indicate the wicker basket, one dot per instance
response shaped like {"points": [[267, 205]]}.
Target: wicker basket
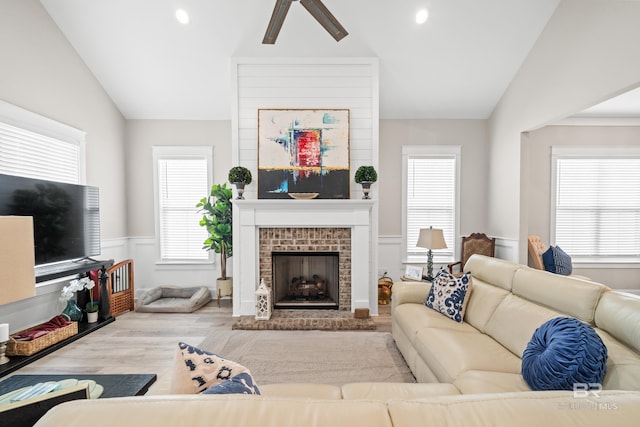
{"points": [[27, 348]]}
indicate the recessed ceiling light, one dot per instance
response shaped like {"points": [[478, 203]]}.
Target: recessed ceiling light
{"points": [[422, 16], [182, 16]]}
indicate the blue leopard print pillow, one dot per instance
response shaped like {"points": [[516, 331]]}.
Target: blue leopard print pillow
{"points": [[448, 294], [198, 370]]}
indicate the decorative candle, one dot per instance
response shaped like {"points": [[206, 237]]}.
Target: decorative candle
{"points": [[4, 332]]}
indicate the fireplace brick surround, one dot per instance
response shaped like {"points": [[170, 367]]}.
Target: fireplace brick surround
{"points": [[345, 226], [294, 239]]}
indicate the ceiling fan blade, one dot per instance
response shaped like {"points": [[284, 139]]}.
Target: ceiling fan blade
{"points": [[275, 23], [325, 18]]}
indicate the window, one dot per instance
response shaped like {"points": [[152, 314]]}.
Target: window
{"points": [[596, 214], [182, 178], [430, 198], [34, 146]]}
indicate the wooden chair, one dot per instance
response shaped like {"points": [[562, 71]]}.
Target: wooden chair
{"points": [[536, 249], [476, 243]]}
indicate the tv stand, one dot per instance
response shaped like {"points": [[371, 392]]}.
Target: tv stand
{"points": [[68, 268]]}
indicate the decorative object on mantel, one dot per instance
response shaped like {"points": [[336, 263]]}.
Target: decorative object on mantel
{"points": [[92, 306], [431, 238], [4, 338], [240, 176], [365, 176], [71, 309], [263, 301], [217, 218], [303, 151], [303, 196]]}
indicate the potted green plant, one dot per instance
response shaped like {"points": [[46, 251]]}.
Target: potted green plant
{"points": [[365, 176], [240, 176], [92, 306], [217, 218]]}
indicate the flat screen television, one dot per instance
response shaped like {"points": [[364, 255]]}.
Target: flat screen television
{"points": [[66, 217]]}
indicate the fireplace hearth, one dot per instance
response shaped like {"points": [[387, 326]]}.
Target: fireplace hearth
{"points": [[305, 280]]}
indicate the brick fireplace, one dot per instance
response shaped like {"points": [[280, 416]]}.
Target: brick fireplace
{"points": [[301, 241], [264, 226]]}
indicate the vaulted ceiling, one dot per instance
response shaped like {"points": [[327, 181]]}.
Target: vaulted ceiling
{"points": [[456, 65]]}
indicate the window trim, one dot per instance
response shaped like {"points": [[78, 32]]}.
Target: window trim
{"points": [[585, 152], [431, 151], [174, 152], [33, 122]]}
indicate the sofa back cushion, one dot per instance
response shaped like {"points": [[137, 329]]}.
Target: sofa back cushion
{"points": [[618, 313], [483, 300], [515, 320], [574, 297], [495, 271]]}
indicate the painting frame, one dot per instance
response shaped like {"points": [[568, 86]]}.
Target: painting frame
{"points": [[303, 153], [413, 272]]}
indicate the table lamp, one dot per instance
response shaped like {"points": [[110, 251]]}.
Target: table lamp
{"points": [[431, 238]]}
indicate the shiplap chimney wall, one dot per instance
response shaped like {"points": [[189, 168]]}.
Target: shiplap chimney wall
{"points": [[308, 83]]}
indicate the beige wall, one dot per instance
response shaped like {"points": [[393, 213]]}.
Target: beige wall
{"points": [[41, 72], [537, 191], [471, 135], [141, 135], [587, 53]]}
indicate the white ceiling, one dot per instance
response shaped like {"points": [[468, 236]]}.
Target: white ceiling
{"points": [[457, 65]]}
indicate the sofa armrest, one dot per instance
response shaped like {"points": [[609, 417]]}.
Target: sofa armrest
{"points": [[409, 292]]}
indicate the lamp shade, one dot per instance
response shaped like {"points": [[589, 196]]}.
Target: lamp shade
{"points": [[431, 238]]}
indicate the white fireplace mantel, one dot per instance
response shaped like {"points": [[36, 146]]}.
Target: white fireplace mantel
{"points": [[252, 214]]}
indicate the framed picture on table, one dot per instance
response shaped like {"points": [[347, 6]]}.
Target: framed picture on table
{"points": [[413, 272]]}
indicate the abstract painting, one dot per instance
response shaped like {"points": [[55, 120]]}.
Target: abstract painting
{"points": [[303, 152]]}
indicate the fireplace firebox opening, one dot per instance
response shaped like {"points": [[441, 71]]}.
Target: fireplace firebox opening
{"points": [[305, 279]]}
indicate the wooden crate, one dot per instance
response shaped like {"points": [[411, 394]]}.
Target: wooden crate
{"points": [[27, 348]]}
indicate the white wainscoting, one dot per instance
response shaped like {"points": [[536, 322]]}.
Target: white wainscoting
{"points": [[149, 273], [507, 249]]}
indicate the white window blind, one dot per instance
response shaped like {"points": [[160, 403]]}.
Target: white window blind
{"points": [[34, 146], [431, 199], [597, 206], [182, 180]]}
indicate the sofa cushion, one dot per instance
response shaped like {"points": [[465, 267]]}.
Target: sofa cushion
{"points": [[515, 320], [522, 409], [562, 352], [387, 391], [448, 294], [577, 298], [449, 352], [196, 370], [474, 382], [619, 314], [623, 364], [301, 390], [483, 301], [411, 318], [496, 271]]}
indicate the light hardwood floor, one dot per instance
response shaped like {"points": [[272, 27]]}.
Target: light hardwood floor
{"points": [[138, 343]]}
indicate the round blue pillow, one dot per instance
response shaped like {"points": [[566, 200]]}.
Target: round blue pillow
{"points": [[562, 352]]}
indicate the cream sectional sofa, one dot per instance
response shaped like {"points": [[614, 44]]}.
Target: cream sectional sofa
{"points": [[507, 303], [468, 373]]}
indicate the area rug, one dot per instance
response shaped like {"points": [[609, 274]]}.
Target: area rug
{"points": [[296, 320], [313, 356]]}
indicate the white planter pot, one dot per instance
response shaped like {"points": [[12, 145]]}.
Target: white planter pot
{"points": [[92, 317]]}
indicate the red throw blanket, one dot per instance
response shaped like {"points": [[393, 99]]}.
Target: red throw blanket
{"points": [[56, 322]]}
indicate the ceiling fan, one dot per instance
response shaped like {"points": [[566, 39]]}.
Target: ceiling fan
{"points": [[315, 8]]}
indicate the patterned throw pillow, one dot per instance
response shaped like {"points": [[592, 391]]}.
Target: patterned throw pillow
{"points": [[448, 294], [197, 370], [557, 261]]}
